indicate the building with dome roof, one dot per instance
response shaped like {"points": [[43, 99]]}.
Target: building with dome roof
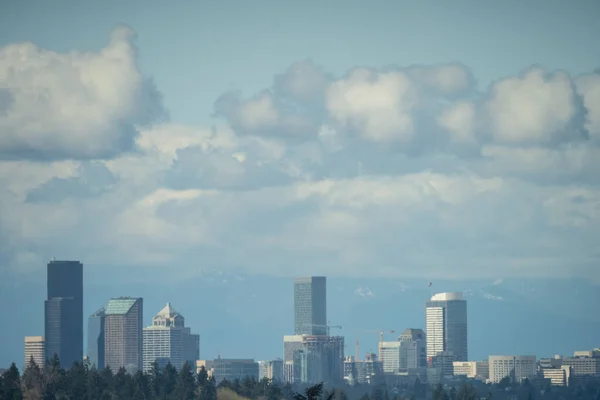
{"points": [[168, 340]]}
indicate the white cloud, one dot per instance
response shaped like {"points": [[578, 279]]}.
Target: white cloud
{"points": [[75, 105], [377, 105], [536, 108], [354, 176]]}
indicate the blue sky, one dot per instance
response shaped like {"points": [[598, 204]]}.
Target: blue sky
{"points": [[160, 142]]}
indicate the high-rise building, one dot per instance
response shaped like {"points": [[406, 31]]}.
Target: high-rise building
{"points": [[167, 340], [390, 356], [63, 327], [123, 333], [35, 348], [310, 306], [95, 342], [413, 349], [446, 320]]}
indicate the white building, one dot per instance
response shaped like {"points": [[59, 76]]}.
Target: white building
{"points": [[446, 325], [558, 376], [472, 369], [167, 340], [35, 347], [390, 356], [517, 368]]}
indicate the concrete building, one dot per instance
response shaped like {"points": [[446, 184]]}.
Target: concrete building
{"points": [[446, 325], [229, 369], [95, 339], [271, 370], [472, 369], [313, 358], [35, 348], [63, 312], [390, 356], [363, 372], [123, 334], [413, 349], [310, 306], [584, 363], [517, 368], [167, 340], [558, 376]]}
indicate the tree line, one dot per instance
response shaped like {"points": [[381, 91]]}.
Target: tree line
{"points": [[80, 382]]}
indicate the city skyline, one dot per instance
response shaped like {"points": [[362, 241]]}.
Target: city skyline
{"points": [[225, 148]]}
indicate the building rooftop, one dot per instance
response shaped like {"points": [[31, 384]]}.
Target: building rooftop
{"points": [[120, 306], [99, 313], [168, 312], [447, 296]]}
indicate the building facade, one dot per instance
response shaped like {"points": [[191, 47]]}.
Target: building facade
{"points": [[313, 359], [446, 320], [310, 306], [95, 339], [35, 348], [230, 369], [584, 363], [413, 349], [472, 369], [63, 312], [271, 370], [123, 334], [390, 356], [167, 340], [516, 368]]}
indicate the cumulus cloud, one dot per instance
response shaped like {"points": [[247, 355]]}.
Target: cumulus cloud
{"points": [[539, 107], [76, 105], [393, 172]]}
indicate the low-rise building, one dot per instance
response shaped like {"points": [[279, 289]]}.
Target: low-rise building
{"points": [[517, 368], [584, 363], [558, 376], [472, 369], [229, 369]]}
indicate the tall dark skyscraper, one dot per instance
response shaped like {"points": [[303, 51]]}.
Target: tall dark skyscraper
{"points": [[310, 306], [64, 312], [95, 342]]}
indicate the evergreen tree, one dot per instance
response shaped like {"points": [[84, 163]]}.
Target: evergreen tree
{"points": [[32, 381], [141, 386], [155, 380], [184, 388], [11, 384], [466, 392], [341, 395], [169, 380], [76, 382], [123, 384], [94, 385], [209, 390], [313, 393]]}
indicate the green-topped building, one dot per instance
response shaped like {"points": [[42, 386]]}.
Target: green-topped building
{"points": [[123, 333]]}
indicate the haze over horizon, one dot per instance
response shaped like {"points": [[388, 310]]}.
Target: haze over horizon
{"points": [[162, 144]]}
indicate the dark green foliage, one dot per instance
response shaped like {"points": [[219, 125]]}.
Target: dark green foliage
{"points": [[54, 383], [11, 384]]}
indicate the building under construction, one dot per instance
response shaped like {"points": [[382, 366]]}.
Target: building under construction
{"points": [[313, 358]]}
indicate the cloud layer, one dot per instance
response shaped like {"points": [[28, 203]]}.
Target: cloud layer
{"points": [[396, 171]]}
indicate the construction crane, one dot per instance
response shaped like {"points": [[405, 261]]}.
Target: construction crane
{"points": [[381, 332]]}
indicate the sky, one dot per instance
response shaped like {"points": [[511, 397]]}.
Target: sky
{"points": [[157, 141]]}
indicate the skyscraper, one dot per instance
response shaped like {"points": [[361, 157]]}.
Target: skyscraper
{"points": [[63, 327], [446, 324], [310, 306], [95, 342], [167, 340], [123, 334]]}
